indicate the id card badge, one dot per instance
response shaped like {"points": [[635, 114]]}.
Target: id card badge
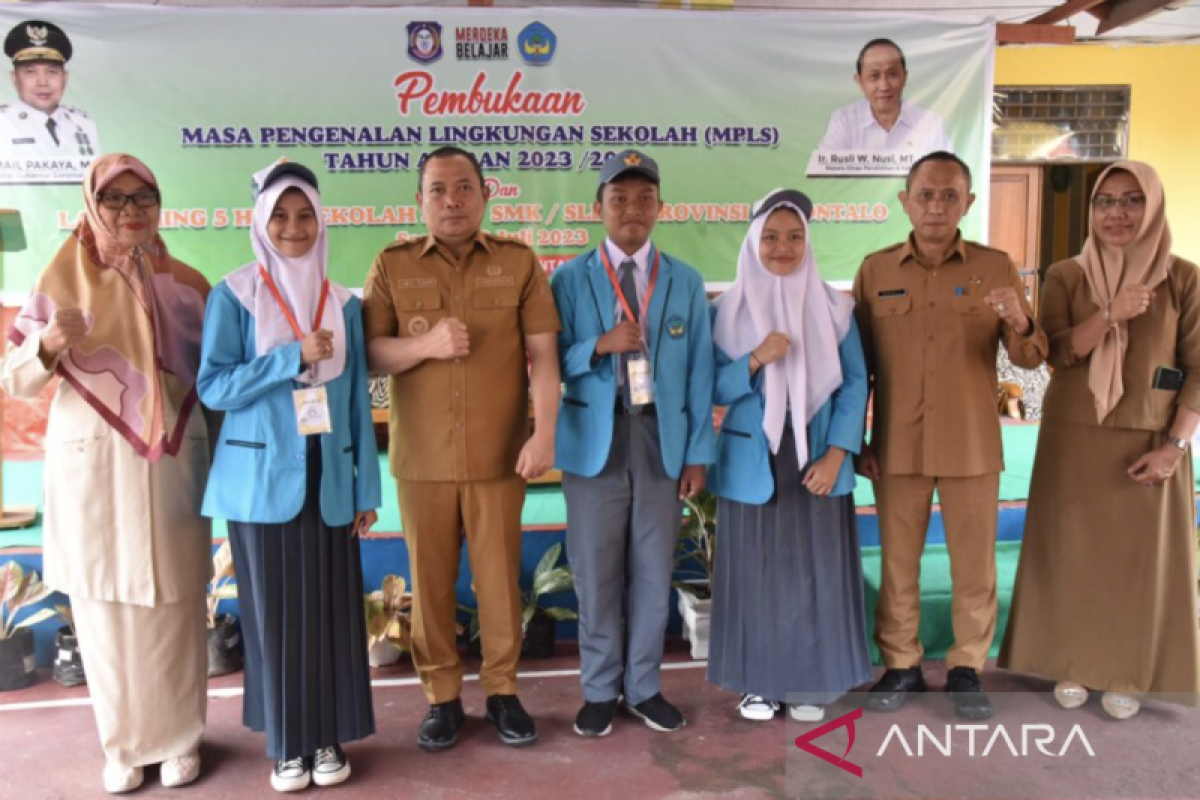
{"points": [[312, 411], [641, 385]]}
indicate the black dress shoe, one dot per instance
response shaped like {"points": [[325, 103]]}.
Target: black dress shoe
{"points": [[893, 689], [970, 701], [512, 723], [439, 730]]}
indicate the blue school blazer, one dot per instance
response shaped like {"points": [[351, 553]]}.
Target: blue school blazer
{"points": [[743, 471], [259, 471], [681, 363]]}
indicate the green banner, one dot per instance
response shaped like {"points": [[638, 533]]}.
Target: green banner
{"points": [[731, 105]]}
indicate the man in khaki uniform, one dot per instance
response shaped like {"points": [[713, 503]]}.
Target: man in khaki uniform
{"points": [[932, 312], [450, 317]]}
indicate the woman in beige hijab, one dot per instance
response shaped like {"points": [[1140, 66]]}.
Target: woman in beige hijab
{"points": [[118, 319], [1105, 596]]}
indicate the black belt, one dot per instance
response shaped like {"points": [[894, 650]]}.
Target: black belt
{"points": [[622, 411]]}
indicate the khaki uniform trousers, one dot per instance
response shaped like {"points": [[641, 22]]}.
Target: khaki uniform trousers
{"points": [[435, 516], [969, 513]]}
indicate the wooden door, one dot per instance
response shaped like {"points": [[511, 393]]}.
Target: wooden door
{"points": [[1015, 224]]}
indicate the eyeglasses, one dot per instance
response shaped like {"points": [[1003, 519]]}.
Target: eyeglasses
{"points": [[1129, 202], [115, 201]]}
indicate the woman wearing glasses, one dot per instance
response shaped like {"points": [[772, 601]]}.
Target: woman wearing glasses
{"points": [[1105, 597], [118, 319]]}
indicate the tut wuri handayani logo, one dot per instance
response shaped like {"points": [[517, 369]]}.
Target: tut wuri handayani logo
{"points": [[537, 44]]}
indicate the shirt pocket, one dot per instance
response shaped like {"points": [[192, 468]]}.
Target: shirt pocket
{"points": [[885, 308], [418, 310], [495, 312]]}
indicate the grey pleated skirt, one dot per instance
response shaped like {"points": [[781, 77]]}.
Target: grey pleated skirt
{"points": [[300, 589], [787, 613]]}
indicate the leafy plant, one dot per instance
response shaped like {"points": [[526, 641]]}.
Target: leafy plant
{"points": [[388, 612], [548, 579], [19, 588], [696, 547], [64, 613], [222, 586]]}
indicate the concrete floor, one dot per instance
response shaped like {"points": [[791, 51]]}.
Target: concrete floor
{"points": [[51, 750]]}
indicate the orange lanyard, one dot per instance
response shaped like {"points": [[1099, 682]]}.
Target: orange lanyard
{"points": [[612, 277], [287, 313]]}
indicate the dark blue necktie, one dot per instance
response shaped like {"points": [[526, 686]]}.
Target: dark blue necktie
{"points": [[629, 289]]}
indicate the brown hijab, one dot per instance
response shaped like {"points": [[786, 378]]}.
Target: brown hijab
{"points": [[1146, 261], [137, 364]]}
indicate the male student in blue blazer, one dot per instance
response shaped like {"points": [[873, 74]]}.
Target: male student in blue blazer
{"points": [[635, 432]]}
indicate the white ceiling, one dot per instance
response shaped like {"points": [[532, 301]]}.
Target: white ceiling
{"points": [[1180, 22]]}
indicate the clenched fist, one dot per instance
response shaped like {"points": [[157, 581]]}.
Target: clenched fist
{"points": [[66, 328], [317, 346], [447, 339], [626, 337]]}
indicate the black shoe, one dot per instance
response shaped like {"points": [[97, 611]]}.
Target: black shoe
{"points": [[512, 723], [439, 730], [595, 719], [893, 689], [657, 713], [970, 702]]}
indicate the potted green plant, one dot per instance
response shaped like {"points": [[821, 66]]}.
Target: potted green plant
{"points": [[389, 627], [224, 635], [695, 553], [68, 663], [539, 623], [18, 589]]}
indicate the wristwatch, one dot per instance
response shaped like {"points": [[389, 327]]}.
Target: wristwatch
{"points": [[1178, 442]]}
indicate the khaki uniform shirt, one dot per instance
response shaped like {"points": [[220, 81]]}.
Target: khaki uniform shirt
{"points": [[931, 342], [465, 418], [1166, 335]]}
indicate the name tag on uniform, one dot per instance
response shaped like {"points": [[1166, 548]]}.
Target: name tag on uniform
{"points": [[312, 411], [29, 140], [641, 385], [893, 293]]}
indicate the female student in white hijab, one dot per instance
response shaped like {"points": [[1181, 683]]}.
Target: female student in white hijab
{"points": [[296, 474], [787, 621]]}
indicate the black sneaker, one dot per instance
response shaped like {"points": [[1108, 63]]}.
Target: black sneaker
{"points": [[512, 723], [439, 730], [291, 774], [970, 702], [595, 719], [657, 713], [330, 766]]}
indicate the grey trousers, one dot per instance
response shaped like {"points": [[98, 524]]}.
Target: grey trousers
{"points": [[621, 530]]}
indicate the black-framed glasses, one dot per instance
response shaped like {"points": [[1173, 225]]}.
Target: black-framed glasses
{"points": [[1129, 202], [115, 201]]}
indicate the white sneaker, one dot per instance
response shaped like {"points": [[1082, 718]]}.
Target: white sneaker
{"points": [[1069, 694], [179, 771], [757, 708], [291, 775], [330, 766], [1120, 706], [806, 713], [118, 779]]}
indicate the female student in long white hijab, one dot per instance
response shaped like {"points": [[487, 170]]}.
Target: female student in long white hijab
{"points": [[788, 622], [296, 475]]}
